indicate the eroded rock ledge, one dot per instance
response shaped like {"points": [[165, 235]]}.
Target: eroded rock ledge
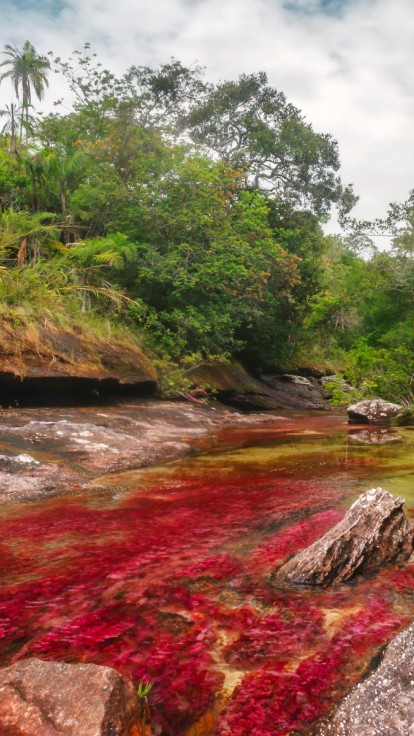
{"points": [[374, 532], [40, 698], [51, 361], [382, 705]]}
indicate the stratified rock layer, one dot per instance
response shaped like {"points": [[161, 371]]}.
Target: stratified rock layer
{"points": [[40, 698], [373, 411], [50, 360], [373, 532], [382, 705]]}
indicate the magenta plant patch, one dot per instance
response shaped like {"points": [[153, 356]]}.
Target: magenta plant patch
{"points": [[173, 586]]}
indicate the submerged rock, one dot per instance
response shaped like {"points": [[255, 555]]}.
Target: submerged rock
{"points": [[373, 411], [374, 532], [40, 698], [382, 705]]}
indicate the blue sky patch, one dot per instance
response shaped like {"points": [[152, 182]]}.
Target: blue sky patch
{"points": [[47, 7], [327, 7]]}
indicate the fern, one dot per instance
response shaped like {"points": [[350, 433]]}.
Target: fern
{"points": [[37, 232], [115, 251]]}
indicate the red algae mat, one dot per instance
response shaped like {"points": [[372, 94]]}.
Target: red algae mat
{"points": [[172, 585]]}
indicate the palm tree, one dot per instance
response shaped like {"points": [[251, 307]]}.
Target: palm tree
{"points": [[27, 70], [10, 126]]}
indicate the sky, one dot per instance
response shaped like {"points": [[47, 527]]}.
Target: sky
{"points": [[347, 64]]}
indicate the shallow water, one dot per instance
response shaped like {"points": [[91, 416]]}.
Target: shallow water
{"points": [[171, 582]]}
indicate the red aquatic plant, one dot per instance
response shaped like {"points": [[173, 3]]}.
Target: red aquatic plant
{"points": [[173, 586], [294, 538], [271, 639]]}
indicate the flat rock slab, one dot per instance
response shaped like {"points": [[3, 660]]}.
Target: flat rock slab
{"points": [[40, 698], [374, 532], [49, 451], [382, 705], [373, 411]]}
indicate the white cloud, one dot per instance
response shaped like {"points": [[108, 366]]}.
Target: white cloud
{"points": [[350, 72]]}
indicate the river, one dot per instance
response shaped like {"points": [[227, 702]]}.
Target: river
{"points": [[170, 581]]}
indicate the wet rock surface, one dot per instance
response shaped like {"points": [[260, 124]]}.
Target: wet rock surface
{"points": [[39, 698], [23, 477], [278, 392], [48, 451], [383, 704], [374, 532], [373, 411], [297, 391]]}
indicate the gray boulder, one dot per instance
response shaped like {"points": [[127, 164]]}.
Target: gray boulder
{"points": [[374, 532], [373, 411], [383, 704]]}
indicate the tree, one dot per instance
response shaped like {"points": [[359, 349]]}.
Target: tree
{"points": [[250, 124], [10, 125], [164, 95], [208, 266], [27, 70]]}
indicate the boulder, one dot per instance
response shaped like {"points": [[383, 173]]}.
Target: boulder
{"points": [[374, 532], [298, 380], [337, 382], [383, 704], [373, 411], [40, 698], [236, 387]]}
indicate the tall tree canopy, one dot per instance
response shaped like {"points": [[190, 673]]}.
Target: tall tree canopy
{"points": [[250, 124]]}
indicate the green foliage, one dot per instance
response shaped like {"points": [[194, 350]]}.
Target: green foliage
{"points": [[364, 313], [114, 251], [341, 393], [194, 208], [405, 419], [25, 235], [144, 689], [381, 372], [251, 124]]}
